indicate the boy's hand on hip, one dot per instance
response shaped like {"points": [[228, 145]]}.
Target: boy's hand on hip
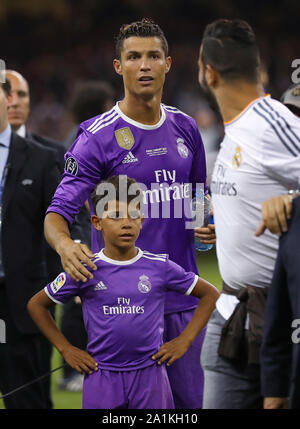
{"points": [[172, 350], [80, 360], [73, 256]]}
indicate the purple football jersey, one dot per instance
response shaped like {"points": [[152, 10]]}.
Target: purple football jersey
{"points": [[123, 306], [165, 157]]}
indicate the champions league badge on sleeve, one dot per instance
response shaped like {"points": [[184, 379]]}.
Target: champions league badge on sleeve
{"points": [[182, 148], [144, 284], [71, 166], [58, 282]]}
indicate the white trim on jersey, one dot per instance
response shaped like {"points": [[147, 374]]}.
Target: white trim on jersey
{"points": [[154, 258], [115, 262], [155, 254], [171, 109], [191, 288], [138, 124], [51, 297], [102, 117], [105, 124]]}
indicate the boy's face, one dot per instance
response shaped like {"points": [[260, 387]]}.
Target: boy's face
{"points": [[120, 224]]}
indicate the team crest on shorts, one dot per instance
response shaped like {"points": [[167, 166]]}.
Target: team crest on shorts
{"points": [[144, 284], [237, 157], [71, 166], [58, 282], [182, 148], [125, 138]]}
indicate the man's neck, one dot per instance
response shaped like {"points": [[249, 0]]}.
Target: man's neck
{"points": [[146, 112], [120, 254], [233, 99]]}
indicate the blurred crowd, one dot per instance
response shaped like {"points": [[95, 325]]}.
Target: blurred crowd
{"points": [[58, 44]]}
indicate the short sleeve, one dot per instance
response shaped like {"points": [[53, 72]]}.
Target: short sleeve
{"points": [[62, 289], [179, 280], [281, 147], [84, 169]]}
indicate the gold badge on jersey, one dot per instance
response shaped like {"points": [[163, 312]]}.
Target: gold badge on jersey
{"points": [[125, 138], [296, 92], [237, 157]]}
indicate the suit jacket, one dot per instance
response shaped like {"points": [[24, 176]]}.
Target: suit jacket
{"points": [[280, 352], [31, 181], [52, 144], [81, 227]]}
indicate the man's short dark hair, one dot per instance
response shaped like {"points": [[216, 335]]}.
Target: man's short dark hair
{"points": [[6, 86], [230, 47], [117, 182], [144, 28], [90, 98]]}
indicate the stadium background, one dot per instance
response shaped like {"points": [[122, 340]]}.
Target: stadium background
{"points": [[57, 43]]}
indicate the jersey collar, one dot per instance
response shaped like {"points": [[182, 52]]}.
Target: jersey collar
{"points": [[115, 262], [139, 124]]}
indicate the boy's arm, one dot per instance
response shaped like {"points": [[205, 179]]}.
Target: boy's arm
{"points": [[38, 307], [177, 347]]}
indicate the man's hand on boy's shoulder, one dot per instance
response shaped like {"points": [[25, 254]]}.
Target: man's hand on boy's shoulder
{"points": [[80, 360], [73, 255], [172, 350]]}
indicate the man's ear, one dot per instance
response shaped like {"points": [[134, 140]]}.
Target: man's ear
{"points": [[117, 66], [212, 76], [168, 64]]}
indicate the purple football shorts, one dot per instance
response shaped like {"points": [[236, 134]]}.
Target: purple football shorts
{"points": [[146, 388], [186, 374]]}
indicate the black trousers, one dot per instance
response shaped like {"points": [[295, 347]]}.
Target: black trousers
{"points": [[23, 358]]}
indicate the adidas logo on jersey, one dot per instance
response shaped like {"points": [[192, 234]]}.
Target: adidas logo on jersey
{"points": [[129, 158], [100, 286]]}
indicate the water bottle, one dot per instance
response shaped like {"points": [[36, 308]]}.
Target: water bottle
{"points": [[201, 207]]}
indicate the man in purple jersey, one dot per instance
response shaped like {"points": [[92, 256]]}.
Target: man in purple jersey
{"points": [[160, 147], [123, 309]]}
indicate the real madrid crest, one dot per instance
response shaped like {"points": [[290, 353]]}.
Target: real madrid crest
{"points": [[144, 284], [237, 157], [182, 148], [125, 138]]}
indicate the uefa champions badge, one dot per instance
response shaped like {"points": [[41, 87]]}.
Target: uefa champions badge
{"points": [[237, 157], [144, 284], [182, 148], [71, 166], [58, 282]]}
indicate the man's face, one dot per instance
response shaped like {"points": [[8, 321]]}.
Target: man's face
{"points": [[120, 224], [19, 105], [3, 109], [143, 66]]}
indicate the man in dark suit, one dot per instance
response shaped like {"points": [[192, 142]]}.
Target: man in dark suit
{"points": [[29, 175], [18, 113], [280, 352]]}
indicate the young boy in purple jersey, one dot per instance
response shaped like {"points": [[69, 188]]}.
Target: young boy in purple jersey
{"points": [[123, 308], [160, 147]]}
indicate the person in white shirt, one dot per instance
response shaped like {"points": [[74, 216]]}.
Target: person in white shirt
{"points": [[259, 158]]}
